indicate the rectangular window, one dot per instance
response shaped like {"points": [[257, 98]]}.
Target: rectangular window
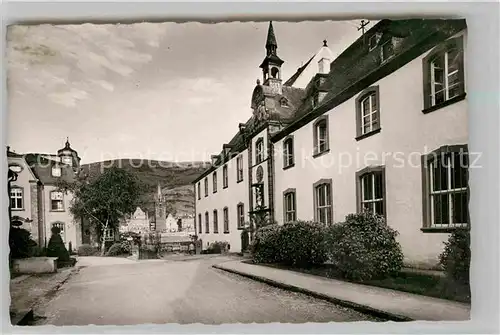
{"points": [[288, 152], [226, 220], [369, 114], [239, 165], [216, 222], [323, 197], [206, 187], [372, 42], [224, 177], [199, 191], [56, 171], [290, 207], [448, 190], [109, 234], [16, 198], [207, 223], [445, 78], [199, 224], [372, 192], [214, 181], [56, 201], [241, 216]]}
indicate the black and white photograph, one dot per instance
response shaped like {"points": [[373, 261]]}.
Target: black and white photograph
{"points": [[265, 171]]}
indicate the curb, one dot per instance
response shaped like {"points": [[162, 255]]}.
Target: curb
{"points": [[357, 307]]}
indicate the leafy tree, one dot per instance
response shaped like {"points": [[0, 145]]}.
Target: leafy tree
{"points": [[104, 199]]}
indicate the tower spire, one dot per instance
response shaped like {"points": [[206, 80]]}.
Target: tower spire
{"points": [[159, 192], [271, 44]]}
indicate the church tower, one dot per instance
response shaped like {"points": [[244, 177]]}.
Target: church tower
{"points": [[69, 156], [160, 210], [271, 66]]}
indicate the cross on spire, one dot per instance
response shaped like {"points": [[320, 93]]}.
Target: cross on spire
{"points": [[362, 26]]}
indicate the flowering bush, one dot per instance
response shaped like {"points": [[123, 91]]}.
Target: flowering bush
{"points": [[364, 247], [455, 258]]}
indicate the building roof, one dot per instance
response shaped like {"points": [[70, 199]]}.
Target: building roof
{"points": [[357, 67], [42, 168], [296, 75], [352, 71]]}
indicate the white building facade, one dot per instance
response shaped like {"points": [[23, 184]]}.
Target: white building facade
{"points": [[384, 130]]}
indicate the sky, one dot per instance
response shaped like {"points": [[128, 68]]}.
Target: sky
{"points": [[163, 91]]}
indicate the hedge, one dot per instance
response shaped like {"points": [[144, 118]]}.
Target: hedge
{"points": [[298, 244]]}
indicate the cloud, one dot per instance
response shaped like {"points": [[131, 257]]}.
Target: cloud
{"points": [[61, 62]]}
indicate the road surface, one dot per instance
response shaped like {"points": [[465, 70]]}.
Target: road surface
{"points": [[107, 291]]}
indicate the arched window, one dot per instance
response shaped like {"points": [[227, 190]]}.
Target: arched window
{"points": [[370, 190], [226, 220], [321, 144], [259, 150], [216, 222], [275, 72], [368, 112], [323, 203], [288, 152], [207, 223]]}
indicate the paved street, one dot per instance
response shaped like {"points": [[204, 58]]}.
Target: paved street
{"points": [[122, 292]]}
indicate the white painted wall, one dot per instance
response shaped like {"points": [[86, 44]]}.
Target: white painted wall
{"points": [[228, 197], [72, 227], [24, 179], [405, 130]]}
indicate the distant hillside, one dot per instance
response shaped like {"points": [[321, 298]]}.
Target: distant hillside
{"points": [[174, 178]]}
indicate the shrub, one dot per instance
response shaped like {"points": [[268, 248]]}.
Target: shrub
{"points": [[455, 258], [364, 247], [126, 247], [301, 244], [217, 247], [265, 245], [114, 250], [56, 247], [87, 250], [20, 243]]}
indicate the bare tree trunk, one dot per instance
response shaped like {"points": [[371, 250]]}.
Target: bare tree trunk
{"points": [[103, 245]]}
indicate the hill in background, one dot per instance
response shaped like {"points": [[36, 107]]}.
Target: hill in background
{"points": [[175, 180]]}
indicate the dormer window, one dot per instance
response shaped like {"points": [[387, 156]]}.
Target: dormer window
{"points": [[372, 42], [56, 171], [283, 102], [387, 50]]}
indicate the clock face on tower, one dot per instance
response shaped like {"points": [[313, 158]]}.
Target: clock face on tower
{"points": [[260, 174]]}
